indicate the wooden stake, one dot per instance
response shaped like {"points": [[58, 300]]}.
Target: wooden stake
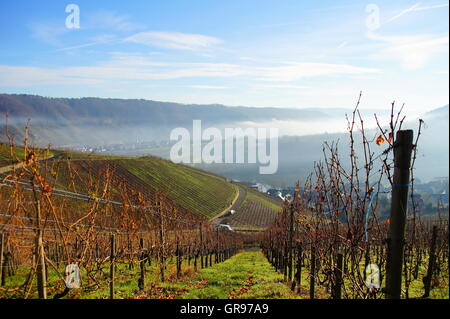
{"points": [[2, 247], [161, 243], [337, 289], [402, 160], [201, 246], [111, 267], [312, 273], [298, 277], [141, 282], [431, 263], [40, 253], [291, 231]]}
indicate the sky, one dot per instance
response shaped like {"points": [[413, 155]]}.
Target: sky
{"points": [[261, 53]]}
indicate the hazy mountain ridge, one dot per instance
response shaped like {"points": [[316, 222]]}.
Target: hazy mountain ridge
{"points": [[64, 121], [140, 111]]}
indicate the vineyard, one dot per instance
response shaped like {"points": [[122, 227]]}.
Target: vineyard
{"points": [[76, 226], [252, 215], [111, 226], [197, 191], [329, 241], [254, 211]]}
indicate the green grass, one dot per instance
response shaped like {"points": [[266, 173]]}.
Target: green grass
{"points": [[5, 154], [245, 275], [7, 159]]}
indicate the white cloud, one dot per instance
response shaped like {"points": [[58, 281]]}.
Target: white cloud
{"points": [[51, 33], [22, 76], [413, 52], [127, 67], [279, 86], [174, 40], [294, 71], [112, 21], [140, 67], [103, 39], [416, 7], [48, 33], [207, 87], [342, 45]]}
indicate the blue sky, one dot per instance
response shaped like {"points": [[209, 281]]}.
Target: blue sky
{"points": [[288, 53]]}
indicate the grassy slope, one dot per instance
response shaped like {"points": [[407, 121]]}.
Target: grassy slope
{"points": [[253, 195], [197, 191], [5, 154]]}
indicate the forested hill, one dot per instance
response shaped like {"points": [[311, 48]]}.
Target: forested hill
{"points": [[70, 121]]}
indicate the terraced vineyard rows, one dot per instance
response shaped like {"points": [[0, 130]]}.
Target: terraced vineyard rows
{"points": [[253, 214], [196, 191], [265, 197]]}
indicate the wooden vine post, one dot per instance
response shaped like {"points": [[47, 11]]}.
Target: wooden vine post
{"points": [[312, 273], [201, 245], [337, 289], [216, 260], [142, 258], [403, 147], [298, 277], [431, 264], [161, 242], [291, 231], [112, 266], [40, 253], [2, 247], [179, 260]]}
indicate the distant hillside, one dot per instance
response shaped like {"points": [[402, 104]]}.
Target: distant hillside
{"points": [[62, 121], [441, 112], [433, 152]]}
